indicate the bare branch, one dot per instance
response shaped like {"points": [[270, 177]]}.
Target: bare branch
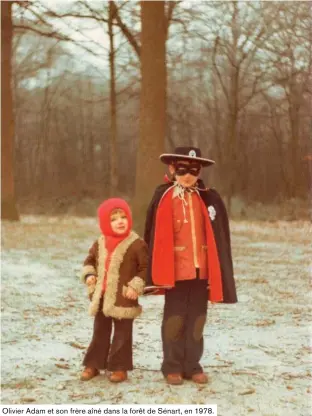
{"points": [[51, 13], [127, 33], [217, 69], [94, 13], [54, 34], [171, 7]]}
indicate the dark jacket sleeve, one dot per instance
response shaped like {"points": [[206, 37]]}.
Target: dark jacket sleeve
{"points": [[89, 265], [138, 282], [142, 258]]}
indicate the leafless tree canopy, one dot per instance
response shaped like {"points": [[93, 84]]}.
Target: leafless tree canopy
{"points": [[238, 86]]}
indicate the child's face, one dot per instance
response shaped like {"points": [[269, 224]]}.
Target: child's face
{"points": [[119, 221], [186, 173]]}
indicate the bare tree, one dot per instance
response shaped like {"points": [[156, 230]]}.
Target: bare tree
{"points": [[292, 63], [113, 101], [110, 17], [8, 200], [237, 64], [153, 102], [239, 82]]}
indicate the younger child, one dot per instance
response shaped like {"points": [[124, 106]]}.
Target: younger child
{"points": [[115, 272]]}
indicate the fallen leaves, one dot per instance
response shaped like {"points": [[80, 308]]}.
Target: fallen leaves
{"points": [[266, 322], [290, 376], [117, 398], [33, 336], [79, 396], [76, 345], [248, 391], [243, 372], [217, 357], [25, 384], [221, 366], [260, 280], [63, 366], [28, 399], [51, 311], [285, 294]]}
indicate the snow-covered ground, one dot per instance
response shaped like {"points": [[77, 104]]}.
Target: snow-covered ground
{"points": [[257, 352]]}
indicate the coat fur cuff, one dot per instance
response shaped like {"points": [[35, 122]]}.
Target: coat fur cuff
{"points": [[85, 271], [137, 284]]}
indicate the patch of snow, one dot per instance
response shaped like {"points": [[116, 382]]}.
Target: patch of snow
{"points": [[260, 346]]}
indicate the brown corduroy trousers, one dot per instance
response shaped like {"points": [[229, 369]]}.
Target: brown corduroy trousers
{"points": [[103, 354], [185, 313]]}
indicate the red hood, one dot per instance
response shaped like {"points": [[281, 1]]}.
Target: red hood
{"points": [[104, 212]]}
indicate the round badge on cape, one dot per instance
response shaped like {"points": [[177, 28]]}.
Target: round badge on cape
{"points": [[212, 212], [192, 153]]}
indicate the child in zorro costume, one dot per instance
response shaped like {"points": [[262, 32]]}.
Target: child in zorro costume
{"points": [[115, 273], [187, 231]]}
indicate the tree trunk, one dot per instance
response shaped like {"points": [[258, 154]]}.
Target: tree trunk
{"points": [[149, 170], [234, 110], [294, 107], [43, 141], [113, 104], [8, 203]]}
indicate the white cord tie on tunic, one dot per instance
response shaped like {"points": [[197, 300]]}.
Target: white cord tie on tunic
{"points": [[180, 192], [181, 195]]}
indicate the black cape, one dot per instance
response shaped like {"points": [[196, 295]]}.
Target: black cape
{"points": [[221, 230]]}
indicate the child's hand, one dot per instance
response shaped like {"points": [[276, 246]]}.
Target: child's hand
{"points": [[91, 280], [131, 293]]}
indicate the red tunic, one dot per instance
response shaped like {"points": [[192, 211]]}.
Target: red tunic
{"points": [[163, 257], [190, 247]]}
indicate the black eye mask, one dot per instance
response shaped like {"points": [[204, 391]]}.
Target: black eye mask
{"points": [[181, 170]]}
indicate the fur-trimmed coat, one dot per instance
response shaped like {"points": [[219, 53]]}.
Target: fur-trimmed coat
{"points": [[128, 267]]}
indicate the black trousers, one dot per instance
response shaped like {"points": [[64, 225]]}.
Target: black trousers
{"points": [[185, 314], [103, 354]]}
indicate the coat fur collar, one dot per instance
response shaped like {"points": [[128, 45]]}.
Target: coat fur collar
{"points": [[109, 304]]}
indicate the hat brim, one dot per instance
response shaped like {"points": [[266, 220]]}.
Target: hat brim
{"points": [[168, 158]]}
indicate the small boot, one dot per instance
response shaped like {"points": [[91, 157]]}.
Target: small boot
{"points": [[88, 373], [118, 376], [200, 378], [174, 379]]}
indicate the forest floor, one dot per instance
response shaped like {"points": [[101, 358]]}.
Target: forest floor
{"points": [[257, 352]]}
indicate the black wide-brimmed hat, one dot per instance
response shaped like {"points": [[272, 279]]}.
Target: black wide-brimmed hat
{"points": [[185, 153]]}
